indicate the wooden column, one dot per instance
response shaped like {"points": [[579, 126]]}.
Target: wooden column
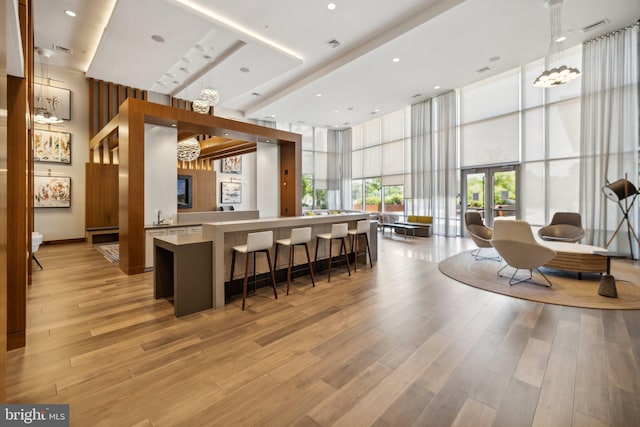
{"points": [[17, 192], [131, 189]]}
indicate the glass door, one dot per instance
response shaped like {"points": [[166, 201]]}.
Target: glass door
{"points": [[491, 191]]}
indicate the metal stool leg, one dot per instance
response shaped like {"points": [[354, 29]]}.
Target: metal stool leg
{"points": [[273, 277], [344, 245], [306, 248], [246, 277], [37, 262]]}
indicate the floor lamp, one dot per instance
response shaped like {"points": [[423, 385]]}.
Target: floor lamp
{"points": [[618, 191]]}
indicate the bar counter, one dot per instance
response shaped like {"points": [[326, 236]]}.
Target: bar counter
{"points": [[227, 234]]}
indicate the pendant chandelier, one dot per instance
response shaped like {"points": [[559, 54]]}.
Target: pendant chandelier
{"points": [[210, 96], [558, 74], [45, 104], [200, 106], [188, 150]]}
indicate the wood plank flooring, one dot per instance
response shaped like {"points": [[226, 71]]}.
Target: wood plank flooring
{"points": [[398, 345]]}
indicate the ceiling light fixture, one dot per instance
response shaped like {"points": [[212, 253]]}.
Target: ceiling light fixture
{"points": [[331, 6], [558, 74], [436, 87], [45, 104], [157, 38], [209, 94], [318, 94], [188, 150], [70, 13], [396, 59]]}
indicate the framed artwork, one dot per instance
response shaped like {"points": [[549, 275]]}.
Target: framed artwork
{"points": [[58, 98], [231, 192], [232, 164], [52, 191], [52, 147]]}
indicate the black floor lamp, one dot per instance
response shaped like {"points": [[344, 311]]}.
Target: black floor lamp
{"points": [[618, 191]]}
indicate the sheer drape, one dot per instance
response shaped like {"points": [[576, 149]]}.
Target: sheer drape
{"points": [[434, 162], [445, 171], [609, 132], [339, 169], [421, 191]]}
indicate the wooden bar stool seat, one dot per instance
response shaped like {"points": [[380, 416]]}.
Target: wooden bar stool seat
{"points": [[338, 232], [362, 228], [256, 242], [299, 237]]}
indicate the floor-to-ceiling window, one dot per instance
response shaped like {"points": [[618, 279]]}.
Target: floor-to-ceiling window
{"points": [[380, 165]]}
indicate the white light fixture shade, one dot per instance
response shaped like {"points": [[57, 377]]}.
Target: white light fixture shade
{"points": [[45, 104], [561, 73], [200, 106], [210, 95], [188, 150]]}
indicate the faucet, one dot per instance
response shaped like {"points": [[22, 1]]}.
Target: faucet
{"points": [[160, 219]]}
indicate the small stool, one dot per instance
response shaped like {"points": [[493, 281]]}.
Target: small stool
{"points": [[299, 236], [256, 242], [362, 228], [338, 232]]}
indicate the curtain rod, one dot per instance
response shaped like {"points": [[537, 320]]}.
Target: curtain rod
{"points": [[637, 24]]}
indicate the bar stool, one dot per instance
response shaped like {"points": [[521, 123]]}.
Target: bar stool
{"points": [[338, 232], [299, 236], [362, 227], [256, 242]]}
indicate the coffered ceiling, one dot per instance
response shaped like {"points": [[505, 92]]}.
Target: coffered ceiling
{"points": [[280, 58]]}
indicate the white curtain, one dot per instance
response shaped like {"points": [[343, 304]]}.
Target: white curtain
{"points": [[434, 162], [445, 219], [339, 169], [609, 133], [421, 192]]}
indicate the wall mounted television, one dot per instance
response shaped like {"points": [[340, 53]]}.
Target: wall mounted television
{"points": [[185, 191]]}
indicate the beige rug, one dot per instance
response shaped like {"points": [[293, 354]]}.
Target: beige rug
{"points": [[110, 252], [566, 289]]}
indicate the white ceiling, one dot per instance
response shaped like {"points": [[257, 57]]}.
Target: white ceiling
{"points": [[283, 44]]}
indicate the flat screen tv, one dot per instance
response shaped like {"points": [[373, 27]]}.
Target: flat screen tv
{"points": [[184, 191]]}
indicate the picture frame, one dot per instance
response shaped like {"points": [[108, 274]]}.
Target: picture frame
{"points": [[52, 191], [60, 97], [231, 192], [51, 146], [232, 164]]}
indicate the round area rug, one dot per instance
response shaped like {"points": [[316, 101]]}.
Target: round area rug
{"points": [[566, 289]]}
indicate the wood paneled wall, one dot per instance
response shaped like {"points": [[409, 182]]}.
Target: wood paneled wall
{"points": [[101, 200], [203, 191], [104, 100]]}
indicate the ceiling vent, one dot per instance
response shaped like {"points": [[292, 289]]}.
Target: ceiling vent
{"points": [[62, 50], [483, 70], [595, 25], [333, 43]]}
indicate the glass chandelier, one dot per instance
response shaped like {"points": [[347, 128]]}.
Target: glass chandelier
{"points": [[45, 104], [188, 150], [562, 73]]}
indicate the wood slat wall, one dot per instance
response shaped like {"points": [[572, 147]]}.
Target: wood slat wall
{"points": [[204, 189], [101, 205]]}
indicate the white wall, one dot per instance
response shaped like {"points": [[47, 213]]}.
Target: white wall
{"points": [[67, 223], [248, 179], [160, 172], [268, 180]]}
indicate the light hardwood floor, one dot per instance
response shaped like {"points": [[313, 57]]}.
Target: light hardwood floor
{"points": [[399, 344]]}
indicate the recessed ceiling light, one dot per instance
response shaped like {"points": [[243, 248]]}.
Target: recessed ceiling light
{"points": [[255, 94], [336, 111], [417, 95], [173, 125], [350, 108], [436, 87], [157, 38], [206, 57], [71, 13], [318, 94], [244, 69], [331, 6], [170, 75], [494, 59], [560, 39], [227, 134], [396, 59], [200, 47], [161, 83]]}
